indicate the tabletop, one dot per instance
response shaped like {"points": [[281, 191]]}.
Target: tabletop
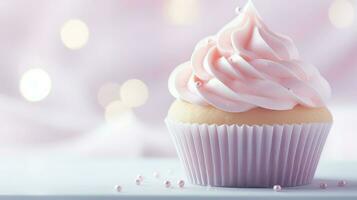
{"points": [[87, 178]]}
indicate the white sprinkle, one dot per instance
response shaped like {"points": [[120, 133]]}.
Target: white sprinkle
{"points": [[238, 10], [181, 183], [167, 184], [234, 58], [118, 188], [342, 183], [323, 185], [210, 41], [140, 177], [137, 181], [198, 83], [156, 174], [277, 188]]}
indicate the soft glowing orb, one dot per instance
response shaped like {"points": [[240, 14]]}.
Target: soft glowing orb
{"points": [[107, 93], [35, 84], [74, 34], [134, 93], [118, 114], [341, 13], [182, 12]]}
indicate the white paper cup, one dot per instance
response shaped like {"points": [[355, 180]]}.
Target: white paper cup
{"points": [[249, 156]]}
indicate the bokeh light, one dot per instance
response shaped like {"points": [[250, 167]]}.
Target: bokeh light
{"points": [[117, 114], [107, 93], [134, 93], [35, 84], [342, 13], [74, 34], [181, 12]]}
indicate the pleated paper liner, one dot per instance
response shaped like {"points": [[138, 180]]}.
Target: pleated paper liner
{"points": [[249, 156]]}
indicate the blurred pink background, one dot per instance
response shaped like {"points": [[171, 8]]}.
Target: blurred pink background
{"points": [[62, 65]]}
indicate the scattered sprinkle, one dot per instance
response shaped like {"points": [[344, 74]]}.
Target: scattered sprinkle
{"points": [[167, 184], [181, 183], [323, 185], [277, 188], [118, 188], [342, 183]]}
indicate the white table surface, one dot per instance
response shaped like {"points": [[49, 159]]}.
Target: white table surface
{"points": [[79, 178]]}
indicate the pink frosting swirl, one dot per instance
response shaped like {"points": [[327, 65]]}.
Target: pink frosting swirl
{"points": [[246, 65]]}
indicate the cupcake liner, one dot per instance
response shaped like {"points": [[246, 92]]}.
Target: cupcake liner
{"points": [[249, 156]]}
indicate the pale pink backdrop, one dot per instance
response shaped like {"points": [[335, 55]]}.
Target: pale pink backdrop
{"points": [[138, 39]]}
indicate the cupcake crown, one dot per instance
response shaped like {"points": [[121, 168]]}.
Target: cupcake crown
{"points": [[246, 65]]}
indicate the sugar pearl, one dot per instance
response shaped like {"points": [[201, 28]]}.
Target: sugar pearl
{"points": [[156, 174], [238, 10], [140, 177], [181, 183], [210, 41], [167, 183], [234, 58], [118, 188], [342, 183], [277, 188], [198, 83], [137, 181], [323, 185]]}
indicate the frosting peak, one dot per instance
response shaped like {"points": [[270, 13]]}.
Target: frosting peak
{"points": [[246, 65]]}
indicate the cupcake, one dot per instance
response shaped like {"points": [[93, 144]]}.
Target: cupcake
{"points": [[248, 112]]}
